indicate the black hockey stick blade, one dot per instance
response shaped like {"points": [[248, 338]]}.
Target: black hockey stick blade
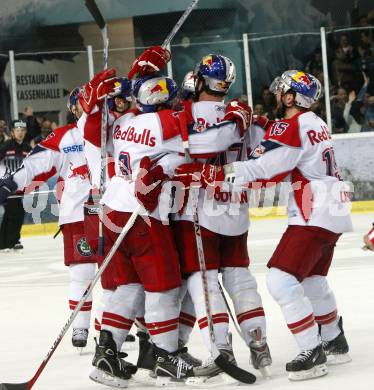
{"points": [[95, 12], [14, 386], [234, 371]]}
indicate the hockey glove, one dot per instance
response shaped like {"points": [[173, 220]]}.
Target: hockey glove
{"points": [[150, 61], [7, 187], [103, 84], [200, 175], [148, 184], [239, 112]]}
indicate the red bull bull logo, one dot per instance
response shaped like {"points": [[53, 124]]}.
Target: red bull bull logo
{"points": [[302, 77], [208, 61], [81, 171], [160, 87]]}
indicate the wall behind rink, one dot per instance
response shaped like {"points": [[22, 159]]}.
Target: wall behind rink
{"points": [[355, 157]]}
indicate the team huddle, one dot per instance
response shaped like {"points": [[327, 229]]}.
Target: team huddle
{"points": [[183, 162]]}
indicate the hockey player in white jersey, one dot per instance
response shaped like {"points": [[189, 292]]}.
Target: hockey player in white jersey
{"points": [[223, 217], [318, 211], [62, 154], [134, 137]]}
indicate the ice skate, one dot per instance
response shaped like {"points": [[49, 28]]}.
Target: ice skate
{"points": [[307, 365], [18, 248], [110, 369], [337, 349], [170, 368], [260, 353], [146, 360], [79, 338]]}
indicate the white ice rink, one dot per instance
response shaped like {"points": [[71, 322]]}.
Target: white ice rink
{"points": [[33, 309]]}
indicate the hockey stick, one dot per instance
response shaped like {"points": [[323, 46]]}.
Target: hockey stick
{"points": [[221, 361], [179, 24], [98, 17], [28, 385]]}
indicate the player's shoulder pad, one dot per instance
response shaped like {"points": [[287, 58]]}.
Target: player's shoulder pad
{"points": [[54, 139], [285, 132], [169, 123]]}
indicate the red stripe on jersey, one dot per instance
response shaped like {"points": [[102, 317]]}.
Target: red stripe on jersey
{"points": [[303, 324], [258, 312], [303, 193], [54, 139], [92, 129], [285, 131], [169, 123], [327, 318]]}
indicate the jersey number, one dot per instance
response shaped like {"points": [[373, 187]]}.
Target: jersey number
{"points": [[124, 164], [328, 157]]}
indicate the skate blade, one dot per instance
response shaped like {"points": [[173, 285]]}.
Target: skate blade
{"points": [[163, 381], [265, 372], [314, 372], [106, 379], [221, 379], [334, 360]]}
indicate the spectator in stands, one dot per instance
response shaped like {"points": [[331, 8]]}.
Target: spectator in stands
{"points": [[33, 128], [347, 48], [46, 129], [353, 125], [369, 115], [3, 132], [360, 108], [259, 110], [12, 153], [337, 108], [343, 69], [314, 64], [268, 102]]}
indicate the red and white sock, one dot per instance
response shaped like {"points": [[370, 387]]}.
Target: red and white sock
{"points": [[297, 309], [162, 318], [218, 308], [187, 319], [81, 276], [242, 288], [120, 311], [323, 300]]}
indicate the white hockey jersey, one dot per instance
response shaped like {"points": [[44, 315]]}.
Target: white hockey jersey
{"points": [[62, 154], [302, 146], [156, 135], [225, 212]]}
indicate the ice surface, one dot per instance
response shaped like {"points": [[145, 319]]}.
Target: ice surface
{"points": [[33, 309]]}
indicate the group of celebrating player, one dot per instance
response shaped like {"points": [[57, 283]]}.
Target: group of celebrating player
{"points": [[167, 144]]}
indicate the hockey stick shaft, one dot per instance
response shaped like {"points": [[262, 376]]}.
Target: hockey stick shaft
{"points": [[100, 21], [228, 367], [179, 24], [28, 385]]}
